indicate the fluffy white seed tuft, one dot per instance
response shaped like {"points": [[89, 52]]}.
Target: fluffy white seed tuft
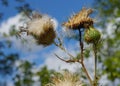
{"points": [[42, 28]]}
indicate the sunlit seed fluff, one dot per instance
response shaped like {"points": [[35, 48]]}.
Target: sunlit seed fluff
{"points": [[67, 79], [42, 29]]}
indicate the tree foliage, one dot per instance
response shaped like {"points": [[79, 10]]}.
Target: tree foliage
{"points": [[110, 52], [22, 6], [109, 13], [25, 75], [7, 61]]}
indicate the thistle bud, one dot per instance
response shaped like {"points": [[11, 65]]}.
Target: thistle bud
{"points": [[92, 35]]}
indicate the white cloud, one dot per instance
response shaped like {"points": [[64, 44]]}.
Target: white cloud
{"points": [[31, 57], [10, 83], [35, 78], [54, 63], [104, 81], [110, 28], [5, 25]]}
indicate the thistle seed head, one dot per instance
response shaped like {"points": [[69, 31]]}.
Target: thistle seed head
{"points": [[41, 27], [80, 20]]}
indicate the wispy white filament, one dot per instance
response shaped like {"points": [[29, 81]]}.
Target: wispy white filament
{"points": [[36, 26]]}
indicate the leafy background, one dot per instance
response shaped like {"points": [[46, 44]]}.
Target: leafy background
{"points": [[24, 65]]}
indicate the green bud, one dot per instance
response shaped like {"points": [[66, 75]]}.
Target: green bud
{"points": [[92, 35]]}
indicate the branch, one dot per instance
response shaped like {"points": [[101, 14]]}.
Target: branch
{"points": [[60, 45], [22, 29], [86, 72], [82, 57], [27, 15], [76, 60], [67, 61], [81, 45]]}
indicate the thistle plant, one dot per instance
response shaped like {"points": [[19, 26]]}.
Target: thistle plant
{"points": [[91, 35], [42, 29]]}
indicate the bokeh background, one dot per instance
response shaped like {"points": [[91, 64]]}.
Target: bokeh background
{"points": [[24, 63]]}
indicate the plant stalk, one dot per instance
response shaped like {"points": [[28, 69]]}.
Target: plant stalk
{"points": [[82, 58], [95, 64], [86, 72]]}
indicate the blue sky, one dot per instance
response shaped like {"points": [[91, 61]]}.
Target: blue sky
{"points": [[58, 9]]}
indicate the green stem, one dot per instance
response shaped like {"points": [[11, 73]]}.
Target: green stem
{"points": [[95, 64]]}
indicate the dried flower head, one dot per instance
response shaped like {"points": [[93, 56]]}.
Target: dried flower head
{"points": [[42, 28], [66, 79], [80, 20]]}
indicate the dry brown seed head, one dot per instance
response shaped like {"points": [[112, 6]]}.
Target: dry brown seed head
{"points": [[42, 29], [80, 20]]}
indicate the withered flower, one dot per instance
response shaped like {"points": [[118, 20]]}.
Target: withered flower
{"points": [[42, 28], [80, 20]]}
